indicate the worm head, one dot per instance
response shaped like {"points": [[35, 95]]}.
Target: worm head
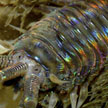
{"points": [[32, 72], [33, 67], [21, 65]]}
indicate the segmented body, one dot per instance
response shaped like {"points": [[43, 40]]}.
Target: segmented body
{"points": [[70, 42]]}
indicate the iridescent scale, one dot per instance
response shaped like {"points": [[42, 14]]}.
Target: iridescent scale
{"points": [[74, 41]]}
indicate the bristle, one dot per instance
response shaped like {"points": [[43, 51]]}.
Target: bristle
{"points": [[73, 97], [83, 95], [55, 80], [53, 100]]}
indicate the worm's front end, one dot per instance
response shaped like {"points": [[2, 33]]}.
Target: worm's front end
{"points": [[60, 52]]}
